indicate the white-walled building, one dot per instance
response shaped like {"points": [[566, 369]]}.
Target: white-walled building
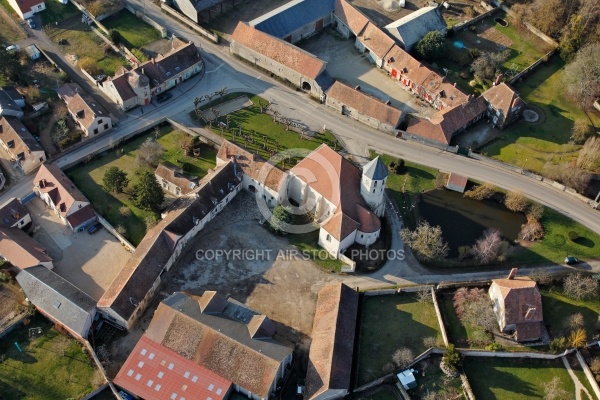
{"points": [[26, 8]]}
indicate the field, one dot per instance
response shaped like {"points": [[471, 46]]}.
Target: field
{"points": [[84, 43], [88, 177], [135, 33], [532, 145], [387, 324], [559, 307], [515, 379], [261, 135], [50, 366]]}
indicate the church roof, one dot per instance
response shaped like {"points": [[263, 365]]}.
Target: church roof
{"points": [[375, 169]]}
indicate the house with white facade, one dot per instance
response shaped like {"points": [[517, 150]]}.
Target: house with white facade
{"points": [[26, 8], [87, 113], [26, 154]]}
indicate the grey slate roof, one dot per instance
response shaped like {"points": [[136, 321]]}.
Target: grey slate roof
{"points": [[12, 212], [411, 28], [57, 297], [8, 106], [202, 5], [375, 169], [292, 16]]}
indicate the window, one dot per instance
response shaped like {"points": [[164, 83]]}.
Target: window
{"points": [[95, 131], [105, 126], [375, 184], [328, 238], [373, 190], [100, 121]]}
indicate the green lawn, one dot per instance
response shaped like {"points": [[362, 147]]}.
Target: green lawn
{"points": [[556, 244], [513, 378], [557, 308], [387, 324], [41, 371], [135, 32], [308, 243], [267, 135], [58, 12], [533, 145], [415, 180], [88, 177], [578, 370], [431, 379], [84, 43]]}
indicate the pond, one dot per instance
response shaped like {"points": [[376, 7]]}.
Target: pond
{"points": [[501, 22], [464, 220]]}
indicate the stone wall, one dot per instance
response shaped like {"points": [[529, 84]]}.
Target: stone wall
{"points": [[204, 32]]}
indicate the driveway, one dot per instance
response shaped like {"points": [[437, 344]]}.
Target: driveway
{"points": [[90, 262]]}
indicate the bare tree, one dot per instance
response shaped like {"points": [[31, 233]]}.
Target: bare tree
{"points": [[573, 177], [481, 192], [197, 101], [150, 152], [582, 75], [589, 155], [430, 341], [578, 338], [574, 321], [222, 93], [487, 65], [553, 390], [581, 131], [474, 308], [403, 357], [580, 287], [426, 241], [532, 230], [541, 275], [516, 201], [490, 247], [535, 211], [424, 295]]}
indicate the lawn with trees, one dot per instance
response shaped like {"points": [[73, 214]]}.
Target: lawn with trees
{"points": [[389, 325], [121, 208], [51, 366]]}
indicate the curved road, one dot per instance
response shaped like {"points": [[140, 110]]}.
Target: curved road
{"points": [[222, 70]]}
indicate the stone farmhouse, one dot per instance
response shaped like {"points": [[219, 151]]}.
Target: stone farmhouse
{"points": [[518, 306], [60, 194], [200, 10], [220, 343], [27, 8], [90, 116], [504, 105], [25, 152], [136, 87], [173, 180], [15, 215], [21, 250], [330, 356]]}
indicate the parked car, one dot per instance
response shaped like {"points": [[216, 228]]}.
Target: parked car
{"points": [[13, 47], [31, 23], [94, 228], [62, 42], [571, 260], [161, 98]]}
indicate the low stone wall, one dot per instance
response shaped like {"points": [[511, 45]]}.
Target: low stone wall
{"points": [[467, 386], [14, 324], [95, 392], [207, 34], [383, 292], [128, 246], [209, 137], [100, 367], [409, 136], [464, 25], [588, 373], [438, 313], [90, 77], [349, 265], [371, 384], [147, 19], [532, 67], [513, 354]]}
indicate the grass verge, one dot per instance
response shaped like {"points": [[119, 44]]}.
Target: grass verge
{"points": [[135, 33], [559, 307]]}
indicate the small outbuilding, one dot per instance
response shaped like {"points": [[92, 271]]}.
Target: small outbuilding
{"points": [[407, 379], [456, 182], [33, 52]]}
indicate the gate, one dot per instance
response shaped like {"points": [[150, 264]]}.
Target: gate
{"points": [[28, 198]]}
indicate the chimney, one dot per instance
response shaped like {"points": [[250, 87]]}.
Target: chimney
{"points": [[152, 60], [388, 103], [454, 84], [513, 273], [530, 311], [357, 87]]}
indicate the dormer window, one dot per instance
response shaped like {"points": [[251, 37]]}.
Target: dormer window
{"points": [[10, 144]]}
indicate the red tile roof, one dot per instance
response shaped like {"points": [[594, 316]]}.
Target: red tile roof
{"points": [[81, 104], [154, 372], [338, 181], [20, 249], [12, 129], [80, 216], [162, 68], [50, 179], [340, 225], [457, 181], [174, 175], [279, 50], [332, 346], [376, 40], [26, 5], [502, 97], [445, 123], [355, 20], [365, 104]]}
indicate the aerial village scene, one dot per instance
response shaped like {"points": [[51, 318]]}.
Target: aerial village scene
{"points": [[305, 199]]}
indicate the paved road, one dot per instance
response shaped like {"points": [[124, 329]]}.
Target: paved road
{"points": [[222, 70]]}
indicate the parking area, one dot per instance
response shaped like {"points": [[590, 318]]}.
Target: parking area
{"points": [[89, 262], [345, 63]]}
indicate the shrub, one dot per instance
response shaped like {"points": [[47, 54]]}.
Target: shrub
{"points": [[125, 211], [451, 357], [573, 236], [494, 347], [558, 345]]}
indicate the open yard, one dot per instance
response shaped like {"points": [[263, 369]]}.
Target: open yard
{"points": [[9, 31], [513, 378], [88, 177], [558, 307], [389, 323], [532, 145], [84, 43], [58, 12], [11, 304], [135, 33], [431, 379], [50, 366], [260, 135]]}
